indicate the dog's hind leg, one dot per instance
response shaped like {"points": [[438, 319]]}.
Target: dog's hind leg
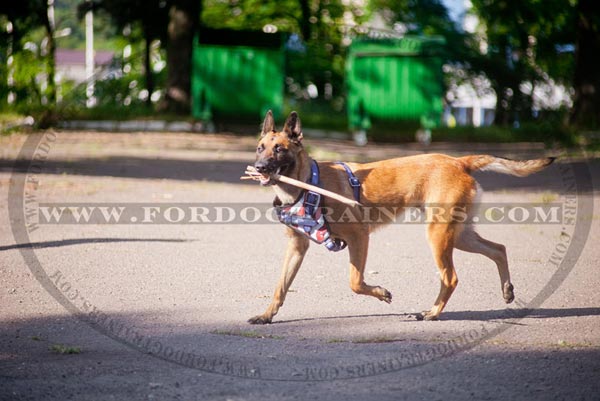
{"points": [[296, 249], [470, 241], [440, 237], [358, 245]]}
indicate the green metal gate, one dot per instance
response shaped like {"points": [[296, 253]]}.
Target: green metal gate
{"points": [[395, 80], [237, 74]]}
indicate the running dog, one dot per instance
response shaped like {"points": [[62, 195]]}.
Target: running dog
{"points": [[428, 179]]}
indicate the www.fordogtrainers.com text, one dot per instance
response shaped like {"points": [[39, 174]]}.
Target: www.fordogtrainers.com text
{"points": [[212, 213]]}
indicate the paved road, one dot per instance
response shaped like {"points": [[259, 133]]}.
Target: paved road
{"points": [[158, 311]]}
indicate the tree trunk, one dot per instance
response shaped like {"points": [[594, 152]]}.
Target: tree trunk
{"points": [[305, 20], [183, 23], [502, 112], [148, 70], [586, 80], [51, 62]]}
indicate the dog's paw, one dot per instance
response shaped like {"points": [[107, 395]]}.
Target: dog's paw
{"points": [[508, 293], [260, 319], [386, 296], [426, 315]]}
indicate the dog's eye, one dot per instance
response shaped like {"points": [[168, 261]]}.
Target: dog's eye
{"points": [[279, 149], [260, 149]]}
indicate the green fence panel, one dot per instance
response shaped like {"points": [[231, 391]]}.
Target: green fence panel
{"points": [[236, 74], [394, 80]]}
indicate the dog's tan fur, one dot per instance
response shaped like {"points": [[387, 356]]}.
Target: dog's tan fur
{"points": [[415, 180]]}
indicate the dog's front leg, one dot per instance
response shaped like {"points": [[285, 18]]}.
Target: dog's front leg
{"points": [[358, 246], [296, 249]]}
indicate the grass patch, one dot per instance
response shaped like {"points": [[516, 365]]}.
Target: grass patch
{"points": [[11, 122], [528, 132], [375, 340], [593, 147], [119, 113], [9, 117], [319, 115], [65, 349], [545, 132], [566, 344], [246, 334], [336, 341], [366, 340], [548, 197]]}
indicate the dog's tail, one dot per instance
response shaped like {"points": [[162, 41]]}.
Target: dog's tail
{"points": [[520, 168]]}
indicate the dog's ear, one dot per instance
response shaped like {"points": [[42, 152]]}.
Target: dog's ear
{"points": [[292, 127], [268, 125]]}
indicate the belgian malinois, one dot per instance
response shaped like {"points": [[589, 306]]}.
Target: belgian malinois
{"points": [[414, 180]]}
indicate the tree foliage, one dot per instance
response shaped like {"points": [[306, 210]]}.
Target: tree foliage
{"points": [[518, 45], [520, 41], [25, 16], [586, 77], [316, 29], [183, 24], [151, 16], [426, 17]]}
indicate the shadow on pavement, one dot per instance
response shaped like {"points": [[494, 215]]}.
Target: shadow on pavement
{"points": [[541, 313], [78, 241], [135, 167], [227, 171], [487, 315]]}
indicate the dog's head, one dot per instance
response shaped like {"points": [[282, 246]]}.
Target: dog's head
{"points": [[277, 151]]}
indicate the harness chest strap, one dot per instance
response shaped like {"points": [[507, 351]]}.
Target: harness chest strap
{"points": [[305, 215]]}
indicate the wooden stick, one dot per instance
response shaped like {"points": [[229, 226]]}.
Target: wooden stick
{"points": [[252, 174]]}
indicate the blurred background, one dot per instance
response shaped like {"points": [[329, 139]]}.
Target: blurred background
{"points": [[382, 70]]}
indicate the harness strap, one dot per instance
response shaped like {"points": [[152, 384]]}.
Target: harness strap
{"points": [[316, 228], [312, 200], [314, 174], [354, 182]]}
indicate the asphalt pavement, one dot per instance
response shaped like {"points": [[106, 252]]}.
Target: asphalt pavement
{"points": [[154, 306]]}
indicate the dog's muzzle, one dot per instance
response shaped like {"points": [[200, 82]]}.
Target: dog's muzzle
{"points": [[267, 169]]}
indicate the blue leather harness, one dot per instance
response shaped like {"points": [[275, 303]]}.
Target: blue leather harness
{"points": [[305, 215], [354, 182]]}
